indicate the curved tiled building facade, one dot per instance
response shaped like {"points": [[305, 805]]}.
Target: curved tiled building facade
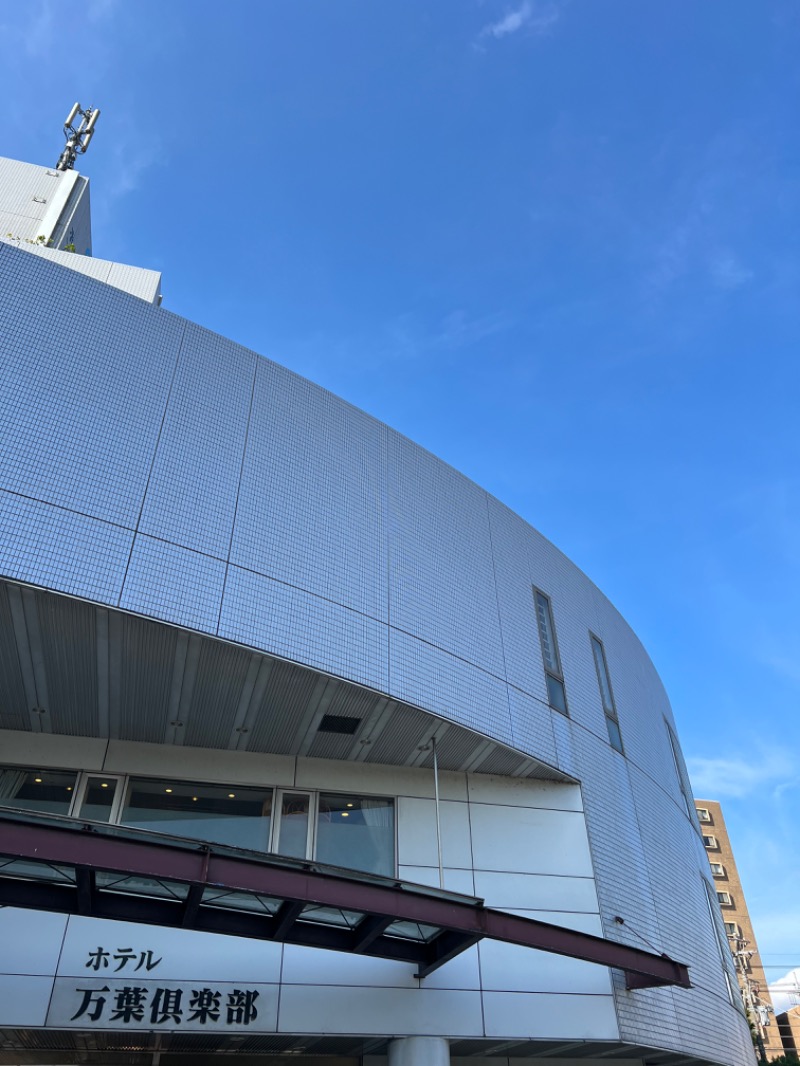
{"points": [[203, 555]]}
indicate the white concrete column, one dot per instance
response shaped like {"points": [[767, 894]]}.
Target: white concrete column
{"points": [[419, 1051]]}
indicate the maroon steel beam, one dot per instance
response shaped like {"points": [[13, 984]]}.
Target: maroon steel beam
{"points": [[78, 845]]}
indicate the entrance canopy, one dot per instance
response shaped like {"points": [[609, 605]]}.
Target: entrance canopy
{"points": [[72, 866]]}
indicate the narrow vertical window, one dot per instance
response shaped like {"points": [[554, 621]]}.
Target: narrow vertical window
{"points": [[720, 930], [683, 776], [556, 693], [606, 695]]}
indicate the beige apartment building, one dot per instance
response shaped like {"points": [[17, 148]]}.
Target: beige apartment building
{"points": [[742, 939], [789, 1028]]}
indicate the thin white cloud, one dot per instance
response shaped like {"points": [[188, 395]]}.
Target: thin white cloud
{"points": [[101, 10], [785, 992], [738, 776], [728, 272], [785, 666], [39, 33], [671, 258], [459, 330], [532, 17], [407, 337]]}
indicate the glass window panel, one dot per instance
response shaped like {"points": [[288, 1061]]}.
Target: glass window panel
{"points": [[241, 901], [98, 798], [141, 886], [602, 678], [221, 814], [49, 791], [413, 930], [547, 633], [356, 832], [614, 734], [37, 871], [556, 694], [293, 837], [331, 916], [680, 770]]}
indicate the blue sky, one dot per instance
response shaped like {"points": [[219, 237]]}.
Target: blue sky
{"points": [[553, 241]]}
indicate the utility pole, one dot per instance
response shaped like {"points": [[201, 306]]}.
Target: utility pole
{"points": [[757, 1012]]}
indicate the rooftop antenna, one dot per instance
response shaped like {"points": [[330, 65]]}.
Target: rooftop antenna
{"points": [[78, 137]]}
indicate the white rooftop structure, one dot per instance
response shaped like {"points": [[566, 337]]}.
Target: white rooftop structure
{"points": [[46, 212]]}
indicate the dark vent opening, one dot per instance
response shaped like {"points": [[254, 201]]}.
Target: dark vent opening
{"points": [[338, 723]]}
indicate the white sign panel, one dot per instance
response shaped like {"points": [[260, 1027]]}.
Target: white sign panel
{"points": [[30, 941], [138, 1002], [23, 1000], [126, 951]]}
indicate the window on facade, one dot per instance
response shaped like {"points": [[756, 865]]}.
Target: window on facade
{"points": [[680, 770], [717, 869], [358, 830], [725, 956], [731, 928], [710, 842], [606, 695], [294, 825], [703, 814], [724, 899], [48, 791], [219, 813], [96, 797], [556, 693]]}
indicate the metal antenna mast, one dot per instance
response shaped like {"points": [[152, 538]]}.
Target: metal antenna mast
{"points": [[78, 138]]}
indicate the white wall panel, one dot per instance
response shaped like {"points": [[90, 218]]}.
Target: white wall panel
{"points": [[182, 954], [30, 941], [547, 1017], [311, 966], [516, 792], [48, 750], [509, 891], [24, 1000], [416, 833], [380, 780], [454, 880], [199, 764], [412, 1012], [510, 968], [530, 841], [70, 995]]}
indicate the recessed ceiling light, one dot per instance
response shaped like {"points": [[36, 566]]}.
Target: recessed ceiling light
{"points": [[69, 788], [345, 814], [194, 799], [38, 780], [168, 790], [231, 795], [104, 784], [349, 804]]}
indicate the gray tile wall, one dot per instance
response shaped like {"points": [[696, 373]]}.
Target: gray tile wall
{"points": [[150, 464]]}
